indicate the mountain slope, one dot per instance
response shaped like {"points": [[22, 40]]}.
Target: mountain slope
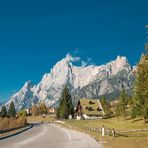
{"points": [[24, 98], [84, 82]]}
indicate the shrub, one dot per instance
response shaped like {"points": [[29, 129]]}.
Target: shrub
{"points": [[8, 123], [4, 124]]}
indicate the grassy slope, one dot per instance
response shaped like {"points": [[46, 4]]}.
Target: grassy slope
{"points": [[122, 142], [111, 123]]}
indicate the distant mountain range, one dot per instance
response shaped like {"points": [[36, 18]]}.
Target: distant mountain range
{"points": [[83, 82]]}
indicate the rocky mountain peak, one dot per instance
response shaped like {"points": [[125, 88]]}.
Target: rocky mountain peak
{"points": [[84, 82], [27, 85], [121, 60]]}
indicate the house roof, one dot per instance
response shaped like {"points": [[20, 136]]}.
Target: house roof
{"points": [[92, 107]]}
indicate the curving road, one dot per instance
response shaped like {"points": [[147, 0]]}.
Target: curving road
{"points": [[49, 136]]}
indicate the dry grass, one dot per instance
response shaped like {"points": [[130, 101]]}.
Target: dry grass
{"points": [[111, 123], [116, 142], [48, 118], [8, 123], [123, 142]]}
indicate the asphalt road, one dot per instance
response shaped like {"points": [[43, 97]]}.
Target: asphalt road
{"points": [[49, 136]]}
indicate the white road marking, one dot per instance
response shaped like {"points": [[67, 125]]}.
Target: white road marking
{"points": [[29, 140], [69, 137], [67, 133]]}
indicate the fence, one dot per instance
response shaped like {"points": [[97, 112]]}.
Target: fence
{"points": [[113, 132], [107, 131], [133, 133]]}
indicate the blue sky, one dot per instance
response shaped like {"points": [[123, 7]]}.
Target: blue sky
{"points": [[35, 34]]}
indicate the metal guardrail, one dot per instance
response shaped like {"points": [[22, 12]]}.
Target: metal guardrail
{"points": [[18, 131], [9, 130]]}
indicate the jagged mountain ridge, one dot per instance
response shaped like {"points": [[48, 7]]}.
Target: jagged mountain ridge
{"points": [[84, 82]]}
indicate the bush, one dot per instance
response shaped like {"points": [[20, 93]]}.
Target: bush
{"points": [[8, 123], [21, 121], [4, 124], [22, 113]]}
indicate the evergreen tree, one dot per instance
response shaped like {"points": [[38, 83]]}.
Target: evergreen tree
{"points": [[106, 106], [141, 89], [118, 111], [65, 105], [123, 103], [59, 109], [12, 111], [104, 103], [130, 101], [3, 112]]}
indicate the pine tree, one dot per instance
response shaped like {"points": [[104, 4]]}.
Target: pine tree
{"points": [[123, 103], [104, 103], [3, 112], [118, 111], [141, 89], [106, 106], [59, 108], [130, 101], [65, 105], [12, 111], [140, 97]]}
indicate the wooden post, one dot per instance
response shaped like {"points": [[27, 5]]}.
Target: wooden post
{"points": [[103, 131], [113, 132]]}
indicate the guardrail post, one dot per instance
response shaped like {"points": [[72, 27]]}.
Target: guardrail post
{"points": [[113, 132]]}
